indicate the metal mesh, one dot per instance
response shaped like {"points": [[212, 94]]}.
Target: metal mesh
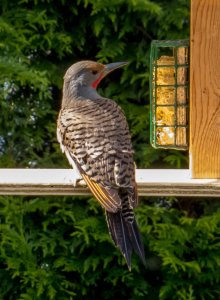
{"points": [[169, 94]]}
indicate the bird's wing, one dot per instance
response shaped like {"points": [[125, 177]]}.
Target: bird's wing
{"points": [[95, 137]]}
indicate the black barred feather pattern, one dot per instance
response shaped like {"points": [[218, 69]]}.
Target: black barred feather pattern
{"points": [[104, 152], [94, 135]]}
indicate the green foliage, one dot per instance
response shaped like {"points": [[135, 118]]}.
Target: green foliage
{"points": [[59, 248], [40, 39]]}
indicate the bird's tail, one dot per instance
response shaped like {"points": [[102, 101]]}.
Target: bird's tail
{"points": [[126, 235]]}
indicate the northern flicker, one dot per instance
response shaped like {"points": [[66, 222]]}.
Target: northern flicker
{"points": [[94, 135]]}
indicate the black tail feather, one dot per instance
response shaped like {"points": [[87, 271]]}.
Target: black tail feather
{"points": [[126, 236], [119, 233], [136, 240]]}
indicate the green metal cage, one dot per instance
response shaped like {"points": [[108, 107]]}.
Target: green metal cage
{"points": [[169, 94]]}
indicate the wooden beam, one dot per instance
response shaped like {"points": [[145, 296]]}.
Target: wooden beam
{"points": [[60, 182], [205, 89]]}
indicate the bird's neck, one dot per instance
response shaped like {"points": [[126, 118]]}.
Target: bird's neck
{"points": [[77, 93]]}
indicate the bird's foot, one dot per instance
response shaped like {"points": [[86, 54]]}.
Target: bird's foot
{"points": [[80, 182]]}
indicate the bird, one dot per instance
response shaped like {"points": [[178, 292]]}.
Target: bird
{"points": [[94, 135]]}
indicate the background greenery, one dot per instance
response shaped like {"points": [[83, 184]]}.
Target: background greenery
{"points": [[59, 247]]}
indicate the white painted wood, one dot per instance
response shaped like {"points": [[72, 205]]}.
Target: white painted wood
{"points": [[151, 182]]}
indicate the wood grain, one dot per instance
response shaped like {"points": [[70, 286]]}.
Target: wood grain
{"points": [[205, 89]]}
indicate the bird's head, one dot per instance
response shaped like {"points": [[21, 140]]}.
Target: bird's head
{"points": [[83, 77]]}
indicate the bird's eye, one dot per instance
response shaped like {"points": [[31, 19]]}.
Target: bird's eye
{"points": [[94, 72]]}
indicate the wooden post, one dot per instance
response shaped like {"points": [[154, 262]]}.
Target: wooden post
{"points": [[205, 89]]}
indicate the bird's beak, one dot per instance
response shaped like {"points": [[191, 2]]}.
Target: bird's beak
{"points": [[113, 66], [108, 69]]}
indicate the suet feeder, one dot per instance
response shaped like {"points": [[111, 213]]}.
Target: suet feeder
{"points": [[169, 94]]}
